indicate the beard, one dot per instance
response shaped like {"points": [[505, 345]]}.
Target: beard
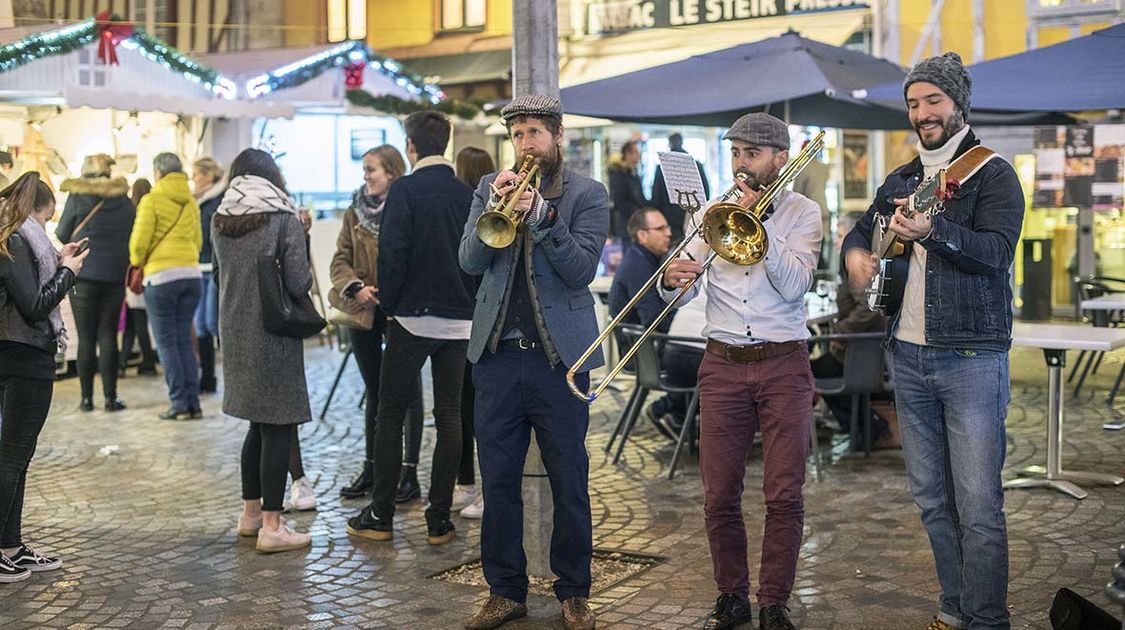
{"points": [[759, 181], [548, 164], [949, 128]]}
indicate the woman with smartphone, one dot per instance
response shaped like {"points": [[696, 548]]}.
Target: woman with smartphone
{"points": [[34, 278]]}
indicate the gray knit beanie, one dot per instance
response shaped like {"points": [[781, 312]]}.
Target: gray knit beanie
{"points": [[948, 73]]}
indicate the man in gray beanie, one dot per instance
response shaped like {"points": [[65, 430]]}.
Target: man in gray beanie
{"points": [[755, 375], [955, 320]]}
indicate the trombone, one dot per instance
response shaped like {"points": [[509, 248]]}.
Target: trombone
{"points": [[734, 233], [497, 228]]}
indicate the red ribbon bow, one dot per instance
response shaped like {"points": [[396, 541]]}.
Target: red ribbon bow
{"points": [[353, 75], [951, 188], [111, 32]]}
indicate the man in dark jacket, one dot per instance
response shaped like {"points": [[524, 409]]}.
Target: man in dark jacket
{"points": [[429, 304], [955, 322], [660, 200], [625, 189], [534, 319]]}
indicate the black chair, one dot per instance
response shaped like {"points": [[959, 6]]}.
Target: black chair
{"points": [[864, 375], [1088, 288], [650, 377]]}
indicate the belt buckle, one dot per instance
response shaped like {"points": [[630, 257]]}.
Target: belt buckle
{"points": [[524, 343]]}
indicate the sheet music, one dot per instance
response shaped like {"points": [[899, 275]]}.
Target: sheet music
{"points": [[685, 187]]}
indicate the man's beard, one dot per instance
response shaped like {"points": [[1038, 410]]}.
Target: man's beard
{"points": [[758, 183], [548, 165], [949, 128]]}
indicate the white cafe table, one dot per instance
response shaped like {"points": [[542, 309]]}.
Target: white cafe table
{"points": [[1107, 302], [1055, 340]]}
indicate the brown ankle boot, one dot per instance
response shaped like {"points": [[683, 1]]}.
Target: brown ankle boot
{"points": [[496, 612], [577, 614]]}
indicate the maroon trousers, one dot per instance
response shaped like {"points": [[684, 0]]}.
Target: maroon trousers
{"points": [[737, 399]]}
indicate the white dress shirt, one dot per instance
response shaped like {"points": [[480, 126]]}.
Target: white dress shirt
{"points": [[763, 302]]}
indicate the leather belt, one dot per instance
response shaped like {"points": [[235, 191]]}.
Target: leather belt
{"points": [[523, 343], [751, 353]]}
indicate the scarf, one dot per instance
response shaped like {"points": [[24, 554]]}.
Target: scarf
{"points": [[934, 160], [368, 209], [47, 264], [250, 194]]}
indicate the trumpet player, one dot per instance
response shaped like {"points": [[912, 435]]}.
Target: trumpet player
{"points": [[755, 376], [534, 317]]}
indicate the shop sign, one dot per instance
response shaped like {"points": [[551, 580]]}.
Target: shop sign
{"points": [[617, 16]]}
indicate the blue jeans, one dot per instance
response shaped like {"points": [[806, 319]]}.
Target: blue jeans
{"points": [[951, 410], [207, 313], [170, 308]]}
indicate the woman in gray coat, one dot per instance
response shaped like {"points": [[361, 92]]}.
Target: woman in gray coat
{"points": [[264, 374]]}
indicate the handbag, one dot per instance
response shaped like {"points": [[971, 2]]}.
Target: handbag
{"points": [[282, 314], [361, 319], [135, 275]]}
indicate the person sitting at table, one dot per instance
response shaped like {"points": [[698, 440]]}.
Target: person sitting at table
{"points": [[854, 316], [652, 238]]}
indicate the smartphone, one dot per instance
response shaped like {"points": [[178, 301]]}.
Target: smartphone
{"points": [[83, 246]]}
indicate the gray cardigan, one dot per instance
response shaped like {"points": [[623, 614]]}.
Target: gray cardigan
{"points": [[564, 261], [264, 374]]}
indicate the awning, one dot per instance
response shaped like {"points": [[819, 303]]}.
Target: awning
{"points": [[603, 57], [473, 67]]}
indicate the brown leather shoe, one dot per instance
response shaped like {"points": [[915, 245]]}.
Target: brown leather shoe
{"points": [[577, 614], [496, 612], [938, 624]]}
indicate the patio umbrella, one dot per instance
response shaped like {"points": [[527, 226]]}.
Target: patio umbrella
{"points": [[1084, 73], [792, 77]]}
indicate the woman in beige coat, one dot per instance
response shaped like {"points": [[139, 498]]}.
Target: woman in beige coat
{"points": [[353, 289]]}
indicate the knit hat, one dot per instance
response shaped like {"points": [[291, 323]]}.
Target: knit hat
{"points": [[948, 73], [538, 105]]}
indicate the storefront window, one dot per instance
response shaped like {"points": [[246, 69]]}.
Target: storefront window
{"points": [[347, 19], [459, 15]]}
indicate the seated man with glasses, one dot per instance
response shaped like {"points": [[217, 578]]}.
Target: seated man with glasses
{"points": [[652, 239]]}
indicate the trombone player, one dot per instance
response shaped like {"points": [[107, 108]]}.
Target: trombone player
{"points": [[534, 317], [755, 375]]}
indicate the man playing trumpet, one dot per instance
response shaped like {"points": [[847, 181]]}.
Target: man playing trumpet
{"points": [[534, 317], [755, 374]]}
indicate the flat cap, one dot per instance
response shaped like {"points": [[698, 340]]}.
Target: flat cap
{"points": [[539, 105], [760, 129]]}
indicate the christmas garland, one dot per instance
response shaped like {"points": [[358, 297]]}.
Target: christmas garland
{"points": [[71, 38], [394, 105]]}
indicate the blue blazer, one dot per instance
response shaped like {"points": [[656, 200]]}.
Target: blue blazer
{"points": [[564, 261]]}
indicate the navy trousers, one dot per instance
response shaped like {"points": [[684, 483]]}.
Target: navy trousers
{"points": [[517, 390]]}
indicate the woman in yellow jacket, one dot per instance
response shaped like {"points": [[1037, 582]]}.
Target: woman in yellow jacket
{"points": [[165, 242]]}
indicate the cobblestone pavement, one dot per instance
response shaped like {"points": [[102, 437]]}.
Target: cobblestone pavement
{"points": [[142, 511]]}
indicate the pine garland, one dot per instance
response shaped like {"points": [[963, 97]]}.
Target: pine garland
{"points": [[155, 49], [389, 104]]}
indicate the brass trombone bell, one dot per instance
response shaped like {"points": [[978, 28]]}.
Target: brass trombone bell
{"points": [[497, 228]]}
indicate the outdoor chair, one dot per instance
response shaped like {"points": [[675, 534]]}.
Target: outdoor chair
{"points": [[650, 377], [864, 375], [1088, 288]]}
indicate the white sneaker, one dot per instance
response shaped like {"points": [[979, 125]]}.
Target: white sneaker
{"points": [[474, 509], [463, 497], [281, 539], [249, 526], [301, 496]]}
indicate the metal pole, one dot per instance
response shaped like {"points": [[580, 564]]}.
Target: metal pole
{"points": [[535, 70]]}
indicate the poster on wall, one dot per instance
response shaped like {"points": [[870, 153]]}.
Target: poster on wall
{"points": [[856, 169], [1108, 187], [1050, 166], [1079, 170]]}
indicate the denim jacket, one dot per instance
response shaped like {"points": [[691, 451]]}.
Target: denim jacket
{"points": [[970, 253]]}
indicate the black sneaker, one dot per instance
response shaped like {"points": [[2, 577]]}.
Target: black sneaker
{"points": [[440, 532], [195, 414], [114, 404], [11, 573], [175, 414], [730, 612], [775, 617], [367, 525], [31, 560]]}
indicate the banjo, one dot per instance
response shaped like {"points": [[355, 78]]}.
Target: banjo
{"points": [[884, 294]]}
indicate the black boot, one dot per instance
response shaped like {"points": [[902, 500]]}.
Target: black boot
{"points": [[730, 612], [87, 404], [113, 403], [408, 487], [361, 484]]}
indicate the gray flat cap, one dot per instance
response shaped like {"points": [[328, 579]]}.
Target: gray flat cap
{"points": [[539, 105], [760, 129]]}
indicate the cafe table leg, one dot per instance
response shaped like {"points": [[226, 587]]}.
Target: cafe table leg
{"points": [[1053, 476]]}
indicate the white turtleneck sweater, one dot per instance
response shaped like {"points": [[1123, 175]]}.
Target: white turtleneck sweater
{"points": [[912, 319]]}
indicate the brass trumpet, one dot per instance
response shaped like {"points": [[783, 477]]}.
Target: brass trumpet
{"points": [[732, 232], [497, 228]]}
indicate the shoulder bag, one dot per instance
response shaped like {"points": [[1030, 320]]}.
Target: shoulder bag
{"points": [[283, 314]]}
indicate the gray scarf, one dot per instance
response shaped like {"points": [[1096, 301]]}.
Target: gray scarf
{"points": [[47, 264], [368, 209]]}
